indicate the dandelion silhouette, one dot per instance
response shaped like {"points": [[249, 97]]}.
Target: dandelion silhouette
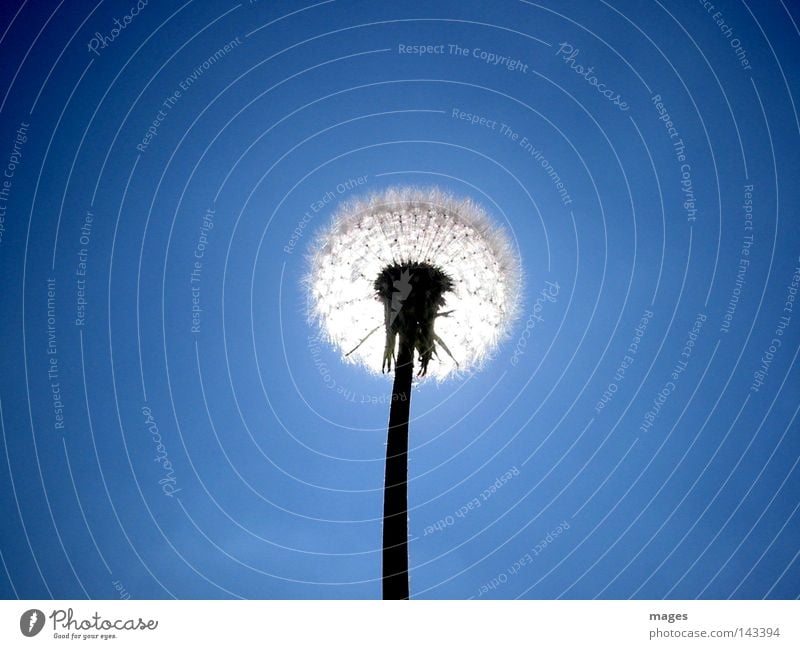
{"points": [[448, 282]]}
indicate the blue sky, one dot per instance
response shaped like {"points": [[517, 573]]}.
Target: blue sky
{"points": [[229, 453]]}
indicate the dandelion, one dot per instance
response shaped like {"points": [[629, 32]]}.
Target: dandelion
{"points": [[441, 281]]}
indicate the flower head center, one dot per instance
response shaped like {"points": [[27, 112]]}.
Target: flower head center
{"points": [[412, 294]]}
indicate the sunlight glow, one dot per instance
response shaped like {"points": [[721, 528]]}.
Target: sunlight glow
{"points": [[406, 225]]}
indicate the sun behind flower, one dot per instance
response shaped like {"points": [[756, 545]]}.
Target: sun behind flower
{"points": [[380, 249]]}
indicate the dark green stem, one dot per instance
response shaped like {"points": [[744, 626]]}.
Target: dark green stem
{"points": [[395, 495]]}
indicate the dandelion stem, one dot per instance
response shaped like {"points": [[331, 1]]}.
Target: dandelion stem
{"points": [[395, 495]]}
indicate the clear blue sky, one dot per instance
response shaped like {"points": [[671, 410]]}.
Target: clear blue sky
{"points": [[228, 453]]}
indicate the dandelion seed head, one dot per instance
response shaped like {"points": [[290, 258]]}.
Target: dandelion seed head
{"points": [[411, 226]]}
